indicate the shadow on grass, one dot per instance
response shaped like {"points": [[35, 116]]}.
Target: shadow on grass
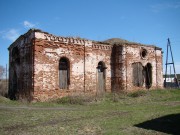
{"points": [[169, 124]]}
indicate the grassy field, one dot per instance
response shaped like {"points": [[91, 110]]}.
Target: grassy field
{"points": [[151, 112]]}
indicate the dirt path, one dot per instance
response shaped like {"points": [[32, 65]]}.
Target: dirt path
{"points": [[35, 108]]}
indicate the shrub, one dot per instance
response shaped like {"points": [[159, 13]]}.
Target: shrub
{"points": [[137, 93], [3, 88], [73, 100]]}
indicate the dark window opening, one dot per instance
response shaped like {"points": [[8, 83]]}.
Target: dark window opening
{"points": [[64, 79], [101, 67], [143, 53], [16, 55]]}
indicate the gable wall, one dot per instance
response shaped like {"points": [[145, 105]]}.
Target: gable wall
{"points": [[20, 71], [154, 57]]}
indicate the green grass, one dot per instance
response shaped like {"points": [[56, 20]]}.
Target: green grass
{"points": [[110, 115]]}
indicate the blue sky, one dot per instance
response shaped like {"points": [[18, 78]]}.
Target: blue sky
{"points": [[143, 21]]}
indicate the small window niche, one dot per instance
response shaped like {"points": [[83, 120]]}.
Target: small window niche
{"points": [[144, 53]]}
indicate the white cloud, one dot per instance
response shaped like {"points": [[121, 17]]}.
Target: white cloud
{"points": [[28, 24], [165, 6], [11, 34]]}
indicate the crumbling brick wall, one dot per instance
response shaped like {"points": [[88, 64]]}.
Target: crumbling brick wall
{"points": [[86, 66], [83, 56], [152, 57], [118, 67]]}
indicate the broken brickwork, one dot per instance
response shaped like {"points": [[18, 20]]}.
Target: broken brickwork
{"points": [[44, 66]]}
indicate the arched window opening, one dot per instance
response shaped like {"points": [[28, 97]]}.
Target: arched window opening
{"points": [[16, 55], [138, 77], [64, 79], [148, 75], [101, 77], [101, 66]]}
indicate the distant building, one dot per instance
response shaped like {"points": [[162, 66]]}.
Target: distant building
{"points": [[44, 66], [171, 81]]}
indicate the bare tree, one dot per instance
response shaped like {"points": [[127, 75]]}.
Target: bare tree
{"points": [[2, 71], [3, 82]]}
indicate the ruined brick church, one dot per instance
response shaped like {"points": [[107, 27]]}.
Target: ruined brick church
{"points": [[43, 66]]}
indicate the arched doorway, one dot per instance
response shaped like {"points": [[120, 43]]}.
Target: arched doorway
{"points": [[63, 73], [14, 91], [101, 77], [148, 75], [138, 77], [13, 95]]}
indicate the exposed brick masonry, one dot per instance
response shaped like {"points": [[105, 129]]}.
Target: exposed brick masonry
{"points": [[37, 74]]}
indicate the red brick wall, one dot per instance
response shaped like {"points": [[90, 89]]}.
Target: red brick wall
{"points": [[40, 53], [46, 68]]}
